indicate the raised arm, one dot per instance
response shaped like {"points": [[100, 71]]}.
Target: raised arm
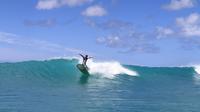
{"points": [[81, 55]]}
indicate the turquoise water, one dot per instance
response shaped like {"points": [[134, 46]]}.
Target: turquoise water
{"points": [[57, 86]]}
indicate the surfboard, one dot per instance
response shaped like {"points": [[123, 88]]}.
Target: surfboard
{"points": [[84, 69]]}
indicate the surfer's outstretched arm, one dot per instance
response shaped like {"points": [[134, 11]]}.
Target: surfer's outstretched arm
{"points": [[90, 57], [81, 55]]}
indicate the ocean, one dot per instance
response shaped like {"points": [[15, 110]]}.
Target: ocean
{"points": [[56, 85]]}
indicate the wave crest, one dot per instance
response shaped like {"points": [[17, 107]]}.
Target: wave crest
{"points": [[109, 69], [197, 68]]}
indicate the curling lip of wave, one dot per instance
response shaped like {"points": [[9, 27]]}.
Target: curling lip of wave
{"points": [[197, 68]]}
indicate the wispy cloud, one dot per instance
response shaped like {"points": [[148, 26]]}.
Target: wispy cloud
{"points": [[125, 37], [133, 43], [12, 39], [190, 25], [111, 41], [179, 4], [163, 32], [52, 4], [95, 10], [41, 23], [114, 25], [5, 38]]}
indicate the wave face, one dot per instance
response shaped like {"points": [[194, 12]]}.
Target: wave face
{"points": [[63, 69], [56, 85], [55, 70], [60, 70]]}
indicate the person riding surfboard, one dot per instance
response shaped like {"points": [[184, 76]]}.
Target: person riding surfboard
{"points": [[83, 67], [85, 58]]}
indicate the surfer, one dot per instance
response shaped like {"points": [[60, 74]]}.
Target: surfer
{"points": [[85, 58]]}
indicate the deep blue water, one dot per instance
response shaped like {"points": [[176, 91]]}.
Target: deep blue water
{"points": [[57, 86]]}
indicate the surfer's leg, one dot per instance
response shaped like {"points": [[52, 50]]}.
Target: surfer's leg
{"points": [[84, 62]]}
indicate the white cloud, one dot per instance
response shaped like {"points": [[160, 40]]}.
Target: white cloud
{"points": [[47, 4], [101, 40], [163, 32], [179, 4], [186, 30], [95, 10], [110, 40], [189, 26], [51, 4]]}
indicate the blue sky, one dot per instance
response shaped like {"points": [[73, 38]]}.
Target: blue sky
{"points": [[141, 32]]}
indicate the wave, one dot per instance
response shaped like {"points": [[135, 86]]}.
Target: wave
{"points": [[107, 69], [62, 68]]}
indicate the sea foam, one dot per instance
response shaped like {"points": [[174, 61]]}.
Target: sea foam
{"points": [[108, 69]]}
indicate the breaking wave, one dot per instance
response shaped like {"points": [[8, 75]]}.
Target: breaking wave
{"points": [[109, 69]]}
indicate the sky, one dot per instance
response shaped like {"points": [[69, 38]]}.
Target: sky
{"points": [[136, 32]]}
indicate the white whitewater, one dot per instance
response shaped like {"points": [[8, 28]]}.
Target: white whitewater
{"points": [[109, 69], [197, 68]]}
